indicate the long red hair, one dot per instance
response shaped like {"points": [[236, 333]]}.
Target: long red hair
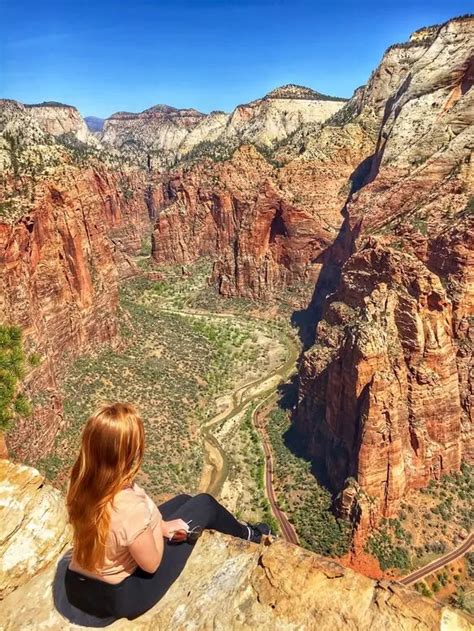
{"points": [[111, 453]]}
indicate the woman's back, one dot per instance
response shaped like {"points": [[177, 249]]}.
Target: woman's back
{"points": [[131, 514]]}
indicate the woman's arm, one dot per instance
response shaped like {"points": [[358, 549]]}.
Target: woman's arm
{"points": [[147, 550]]}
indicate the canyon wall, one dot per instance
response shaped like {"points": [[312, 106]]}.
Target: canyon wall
{"points": [[68, 221], [265, 223], [58, 119], [385, 393], [283, 209]]}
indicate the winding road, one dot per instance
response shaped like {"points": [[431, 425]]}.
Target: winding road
{"points": [[216, 464], [437, 564], [287, 529]]}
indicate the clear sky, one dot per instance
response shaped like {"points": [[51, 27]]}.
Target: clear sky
{"points": [[108, 55]]}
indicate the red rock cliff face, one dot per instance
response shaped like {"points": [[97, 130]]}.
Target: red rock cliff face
{"points": [[269, 225], [380, 396], [266, 227], [60, 261], [385, 394]]}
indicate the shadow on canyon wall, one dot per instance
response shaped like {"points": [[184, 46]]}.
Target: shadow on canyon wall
{"points": [[292, 439], [306, 321], [331, 259]]}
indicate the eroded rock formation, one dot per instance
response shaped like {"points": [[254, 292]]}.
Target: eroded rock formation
{"points": [[385, 394], [237, 213], [68, 221], [227, 583], [379, 390], [58, 119]]}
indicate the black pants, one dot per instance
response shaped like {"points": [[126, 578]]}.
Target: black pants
{"points": [[140, 591]]}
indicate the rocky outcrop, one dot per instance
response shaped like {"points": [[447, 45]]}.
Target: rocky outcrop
{"points": [[153, 136], [65, 231], [33, 526], [227, 583], [385, 394], [58, 119], [379, 391], [266, 228], [162, 134]]}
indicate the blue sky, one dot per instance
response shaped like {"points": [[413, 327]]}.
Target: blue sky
{"points": [[107, 55]]}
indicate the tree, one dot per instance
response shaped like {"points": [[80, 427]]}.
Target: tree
{"points": [[12, 361]]}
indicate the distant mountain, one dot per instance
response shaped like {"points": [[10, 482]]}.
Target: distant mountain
{"points": [[94, 123], [167, 134], [293, 91]]}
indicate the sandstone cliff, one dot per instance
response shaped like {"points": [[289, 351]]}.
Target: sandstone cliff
{"points": [[68, 218], [283, 231], [236, 212], [385, 394], [58, 119], [226, 584], [162, 134]]}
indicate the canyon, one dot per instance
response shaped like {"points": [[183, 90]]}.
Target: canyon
{"points": [[356, 214], [67, 226], [366, 208]]}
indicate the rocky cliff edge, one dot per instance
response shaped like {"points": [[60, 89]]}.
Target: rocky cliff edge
{"points": [[227, 583]]}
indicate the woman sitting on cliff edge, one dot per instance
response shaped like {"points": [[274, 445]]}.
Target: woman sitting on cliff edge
{"points": [[127, 552]]}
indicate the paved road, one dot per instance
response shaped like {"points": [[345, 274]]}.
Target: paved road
{"points": [[439, 563], [286, 527]]}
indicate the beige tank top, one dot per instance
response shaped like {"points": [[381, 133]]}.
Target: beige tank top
{"points": [[132, 513]]}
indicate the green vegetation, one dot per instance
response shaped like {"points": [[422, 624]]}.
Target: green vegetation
{"points": [[428, 523], [307, 503], [463, 599], [34, 359], [12, 368], [80, 152], [388, 545], [127, 191], [469, 210], [470, 564], [49, 104], [452, 497], [228, 341], [218, 151], [7, 208], [256, 506], [423, 589], [258, 471], [180, 288], [420, 224], [172, 366], [145, 246]]}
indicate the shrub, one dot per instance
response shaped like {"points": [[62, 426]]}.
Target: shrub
{"points": [[12, 403], [34, 359]]}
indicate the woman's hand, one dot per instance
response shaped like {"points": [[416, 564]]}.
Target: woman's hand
{"points": [[172, 526]]}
